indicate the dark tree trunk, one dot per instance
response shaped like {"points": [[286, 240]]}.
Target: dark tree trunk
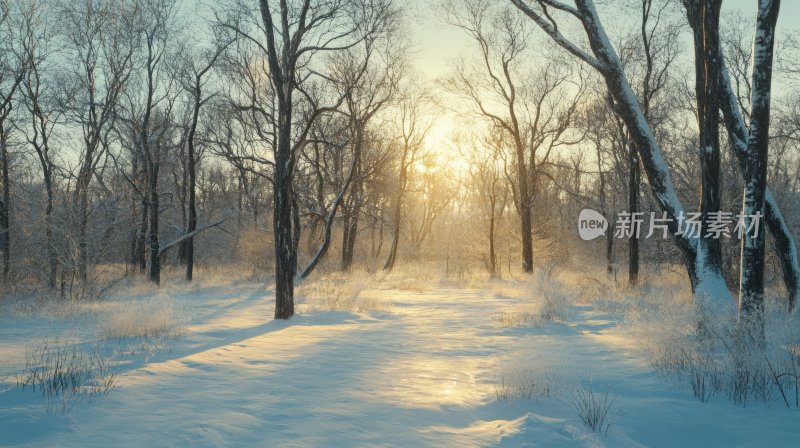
{"points": [[83, 225], [191, 224], [523, 199], [704, 20], [751, 287], [492, 255], [191, 183], [154, 268], [397, 212], [349, 242], [297, 232], [5, 229], [784, 243], [524, 208], [282, 229], [141, 238], [392, 258], [610, 249], [351, 226], [182, 186], [52, 253], [634, 180]]}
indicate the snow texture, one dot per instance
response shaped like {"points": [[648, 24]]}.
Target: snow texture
{"points": [[415, 367]]}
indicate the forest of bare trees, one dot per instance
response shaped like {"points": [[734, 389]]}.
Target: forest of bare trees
{"points": [[140, 139]]}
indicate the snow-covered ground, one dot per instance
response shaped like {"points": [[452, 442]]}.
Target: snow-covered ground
{"points": [[399, 363]]}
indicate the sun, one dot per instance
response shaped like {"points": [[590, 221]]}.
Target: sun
{"points": [[443, 145]]}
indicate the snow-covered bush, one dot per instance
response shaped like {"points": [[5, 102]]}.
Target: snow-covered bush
{"points": [[555, 307], [66, 374], [593, 407], [335, 292], [524, 383], [156, 317], [710, 356], [515, 318], [548, 308]]}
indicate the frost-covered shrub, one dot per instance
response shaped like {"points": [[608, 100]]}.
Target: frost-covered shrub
{"points": [[254, 248], [520, 383], [593, 407], [66, 374], [157, 317], [334, 292], [714, 359], [554, 307], [516, 318], [551, 308]]}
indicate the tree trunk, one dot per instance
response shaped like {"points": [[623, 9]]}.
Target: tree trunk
{"points": [[751, 286], [141, 238], [784, 243], [83, 225], [524, 208], [634, 180], [492, 255], [704, 20], [282, 214], [154, 271], [282, 229], [610, 248], [351, 227], [52, 254], [5, 229], [182, 193], [710, 285], [527, 238], [398, 210], [191, 185]]}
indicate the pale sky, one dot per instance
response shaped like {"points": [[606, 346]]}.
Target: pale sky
{"points": [[438, 44]]}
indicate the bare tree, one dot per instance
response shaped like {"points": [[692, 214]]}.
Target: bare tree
{"points": [[291, 37], [414, 129], [14, 63], [193, 79], [151, 113], [529, 108], [488, 185], [369, 77], [656, 49], [100, 40], [39, 98]]}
